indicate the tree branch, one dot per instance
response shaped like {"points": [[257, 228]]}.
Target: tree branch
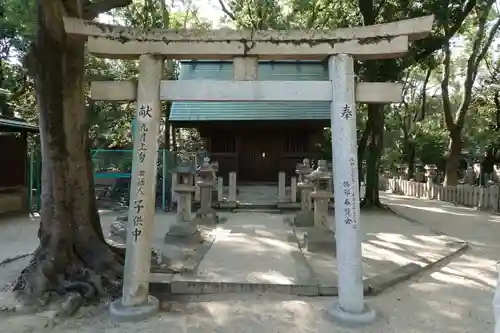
{"points": [[92, 9], [477, 55], [448, 119], [366, 10], [227, 11], [314, 15], [419, 116], [488, 42], [437, 42], [496, 98], [378, 10], [253, 22]]}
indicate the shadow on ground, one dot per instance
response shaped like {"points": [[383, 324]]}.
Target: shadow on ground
{"points": [[455, 298]]}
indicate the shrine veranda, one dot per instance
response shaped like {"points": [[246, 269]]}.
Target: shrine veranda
{"points": [[341, 47]]}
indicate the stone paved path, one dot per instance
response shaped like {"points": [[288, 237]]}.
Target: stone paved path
{"points": [[251, 247], [258, 194]]}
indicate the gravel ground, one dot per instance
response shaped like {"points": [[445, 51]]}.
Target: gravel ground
{"points": [[454, 298]]}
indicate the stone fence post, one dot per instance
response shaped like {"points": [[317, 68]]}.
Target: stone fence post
{"points": [[293, 189], [281, 187], [232, 188], [494, 197]]}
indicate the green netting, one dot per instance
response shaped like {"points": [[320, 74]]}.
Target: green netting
{"points": [[112, 160], [112, 173]]}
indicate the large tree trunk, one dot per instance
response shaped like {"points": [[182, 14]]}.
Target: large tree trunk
{"points": [[362, 150], [452, 160], [72, 255], [376, 116], [410, 153]]}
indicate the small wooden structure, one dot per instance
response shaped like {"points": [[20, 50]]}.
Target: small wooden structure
{"points": [[14, 169], [255, 139]]}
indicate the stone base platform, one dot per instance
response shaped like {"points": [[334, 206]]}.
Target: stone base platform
{"points": [[227, 205], [288, 205], [320, 239], [304, 219]]}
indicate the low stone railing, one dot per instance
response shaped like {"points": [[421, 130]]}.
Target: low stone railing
{"points": [[482, 197]]}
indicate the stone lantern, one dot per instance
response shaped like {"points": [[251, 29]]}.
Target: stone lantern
{"points": [[419, 174], [305, 217], [430, 170], [303, 169], [184, 190], [430, 173], [321, 180], [206, 182], [402, 170], [470, 175]]}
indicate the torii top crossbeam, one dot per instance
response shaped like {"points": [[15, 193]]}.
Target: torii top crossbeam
{"points": [[381, 41]]}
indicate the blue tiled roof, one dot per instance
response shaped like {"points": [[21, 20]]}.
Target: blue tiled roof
{"points": [[268, 71]]}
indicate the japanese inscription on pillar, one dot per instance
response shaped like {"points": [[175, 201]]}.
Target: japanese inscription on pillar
{"points": [[346, 112], [144, 117], [349, 203]]}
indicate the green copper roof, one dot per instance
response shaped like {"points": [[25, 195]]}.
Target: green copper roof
{"points": [[268, 71]]}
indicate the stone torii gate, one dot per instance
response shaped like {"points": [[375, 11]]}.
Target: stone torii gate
{"points": [[341, 47]]}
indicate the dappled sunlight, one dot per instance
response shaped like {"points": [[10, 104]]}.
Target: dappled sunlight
{"points": [[253, 252], [391, 246], [469, 271], [433, 206], [398, 238], [219, 311], [255, 248], [264, 233], [494, 219], [276, 244], [257, 314], [435, 210], [377, 253], [450, 312], [430, 287], [447, 277], [270, 277]]}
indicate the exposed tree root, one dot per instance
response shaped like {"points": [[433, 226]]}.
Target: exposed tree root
{"points": [[55, 271], [17, 257], [372, 205]]}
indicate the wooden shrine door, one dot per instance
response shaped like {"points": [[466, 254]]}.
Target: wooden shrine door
{"points": [[258, 158]]}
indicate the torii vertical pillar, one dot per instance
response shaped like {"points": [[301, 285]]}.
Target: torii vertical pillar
{"points": [[136, 304], [350, 307]]}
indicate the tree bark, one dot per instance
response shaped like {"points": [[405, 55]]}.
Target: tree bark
{"points": [[72, 255], [410, 153], [452, 160], [362, 149], [376, 116]]}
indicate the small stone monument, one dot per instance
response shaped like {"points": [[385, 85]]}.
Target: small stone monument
{"points": [[320, 238], [402, 171], [419, 173], [470, 176], [206, 215], [305, 217], [320, 179], [184, 190], [430, 173]]}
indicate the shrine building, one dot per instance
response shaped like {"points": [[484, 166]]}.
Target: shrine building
{"points": [[257, 139]]}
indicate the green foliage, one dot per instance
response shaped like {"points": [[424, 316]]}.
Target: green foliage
{"points": [[405, 125]]}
